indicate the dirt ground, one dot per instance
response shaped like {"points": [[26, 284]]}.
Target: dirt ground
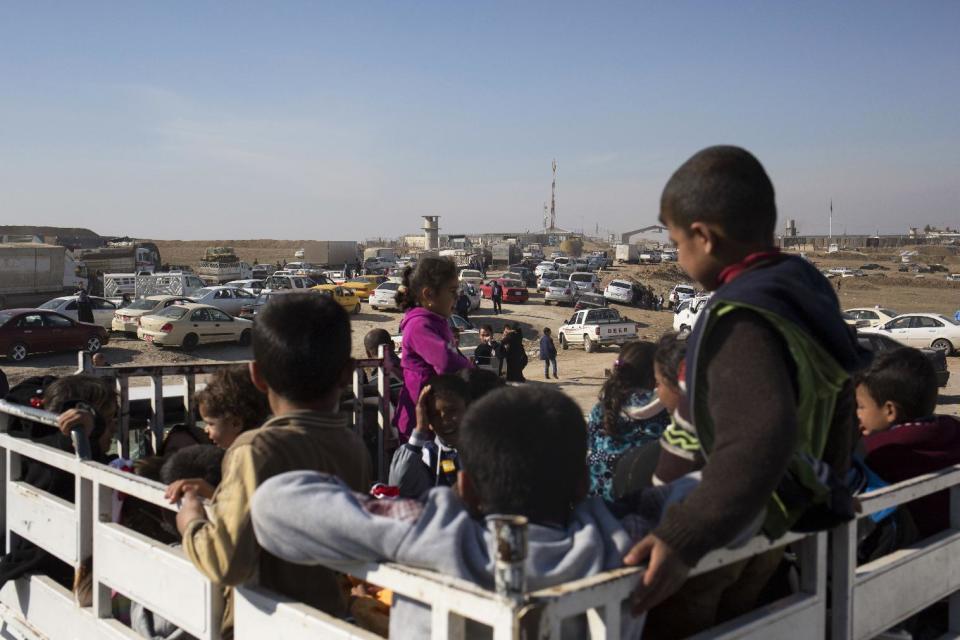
{"points": [[581, 374]]}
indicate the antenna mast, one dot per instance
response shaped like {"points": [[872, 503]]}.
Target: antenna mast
{"points": [[553, 197]]}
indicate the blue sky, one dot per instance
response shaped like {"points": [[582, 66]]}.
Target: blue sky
{"points": [[350, 120]]}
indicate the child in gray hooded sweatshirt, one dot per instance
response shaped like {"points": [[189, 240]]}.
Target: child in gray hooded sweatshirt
{"points": [[523, 452]]}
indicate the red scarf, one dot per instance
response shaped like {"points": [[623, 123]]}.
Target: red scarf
{"points": [[734, 271]]}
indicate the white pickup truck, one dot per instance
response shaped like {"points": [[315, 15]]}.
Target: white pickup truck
{"points": [[687, 313], [595, 328]]}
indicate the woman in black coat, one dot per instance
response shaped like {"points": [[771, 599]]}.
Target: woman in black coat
{"points": [[516, 357], [84, 307]]}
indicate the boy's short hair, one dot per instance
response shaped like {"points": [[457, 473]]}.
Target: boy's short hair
{"points": [[375, 338], [525, 451], [904, 377], [231, 393], [301, 344], [449, 386], [671, 350], [480, 381], [546, 329], [724, 186], [196, 461]]}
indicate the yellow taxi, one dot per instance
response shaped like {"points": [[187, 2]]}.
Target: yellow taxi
{"points": [[363, 286], [345, 297]]}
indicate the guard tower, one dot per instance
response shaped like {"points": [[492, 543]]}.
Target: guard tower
{"points": [[431, 232]]}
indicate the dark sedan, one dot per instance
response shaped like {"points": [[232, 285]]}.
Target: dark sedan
{"points": [[27, 331], [879, 343]]}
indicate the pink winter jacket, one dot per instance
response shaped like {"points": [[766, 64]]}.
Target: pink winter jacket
{"points": [[427, 351]]}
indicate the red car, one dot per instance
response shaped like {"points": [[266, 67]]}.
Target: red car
{"points": [[27, 331], [513, 290]]}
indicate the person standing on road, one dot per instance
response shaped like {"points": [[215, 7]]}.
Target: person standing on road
{"points": [[548, 353], [515, 355], [496, 294], [84, 307]]}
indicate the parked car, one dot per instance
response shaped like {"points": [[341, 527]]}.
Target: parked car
{"points": [[384, 296], [513, 290], [546, 278], [523, 274], [590, 301], [922, 330], [253, 286], [954, 277], [471, 276], [125, 319], [873, 316], [686, 314], [250, 311], [561, 292], [187, 325], [27, 331], [227, 299], [622, 291], [343, 296], [337, 275], [261, 271], [680, 293], [103, 309], [878, 343], [595, 328], [587, 282], [364, 286], [873, 266], [543, 267]]}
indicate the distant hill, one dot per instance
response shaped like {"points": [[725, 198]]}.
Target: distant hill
{"points": [[31, 230]]}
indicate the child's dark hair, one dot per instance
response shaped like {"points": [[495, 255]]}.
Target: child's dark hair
{"points": [[430, 273], [197, 461], [97, 392], [904, 377], [633, 370], [301, 344], [546, 331], [525, 451], [725, 186], [480, 381], [375, 338], [488, 328], [671, 350], [449, 385], [230, 393]]}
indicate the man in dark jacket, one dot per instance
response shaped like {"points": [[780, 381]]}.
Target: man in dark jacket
{"points": [[515, 355], [548, 353], [84, 307], [496, 294]]}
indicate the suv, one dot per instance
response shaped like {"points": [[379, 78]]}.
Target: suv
{"points": [[680, 293], [586, 282]]}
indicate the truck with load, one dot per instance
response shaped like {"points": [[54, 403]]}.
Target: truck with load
{"points": [[122, 255], [383, 253], [628, 254], [221, 264], [328, 253]]}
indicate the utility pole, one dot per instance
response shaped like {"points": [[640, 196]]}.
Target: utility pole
{"points": [[831, 218], [553, 197]]}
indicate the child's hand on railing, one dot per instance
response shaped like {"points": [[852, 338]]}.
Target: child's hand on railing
{"points": [[191, 508], [73, 418], [177, 488]]}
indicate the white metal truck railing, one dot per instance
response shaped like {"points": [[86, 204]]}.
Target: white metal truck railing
{"points": [[865, 600], [377, 395]]}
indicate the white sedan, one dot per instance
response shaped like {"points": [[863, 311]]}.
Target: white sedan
{"points": [[187, 325], [875, 316], [922, 330], [103, 309], [228, 299], [385, 296], [471, 276]]}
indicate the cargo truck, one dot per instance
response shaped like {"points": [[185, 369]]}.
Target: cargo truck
{"points": [[328, 253], [122, 256], [31, 274], [628, 254], [505, 253]]}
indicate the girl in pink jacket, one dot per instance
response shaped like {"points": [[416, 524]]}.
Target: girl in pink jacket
{"points": [[428, 295]]}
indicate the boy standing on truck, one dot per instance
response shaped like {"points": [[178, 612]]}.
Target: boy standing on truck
{"points": [[772, 340]]}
